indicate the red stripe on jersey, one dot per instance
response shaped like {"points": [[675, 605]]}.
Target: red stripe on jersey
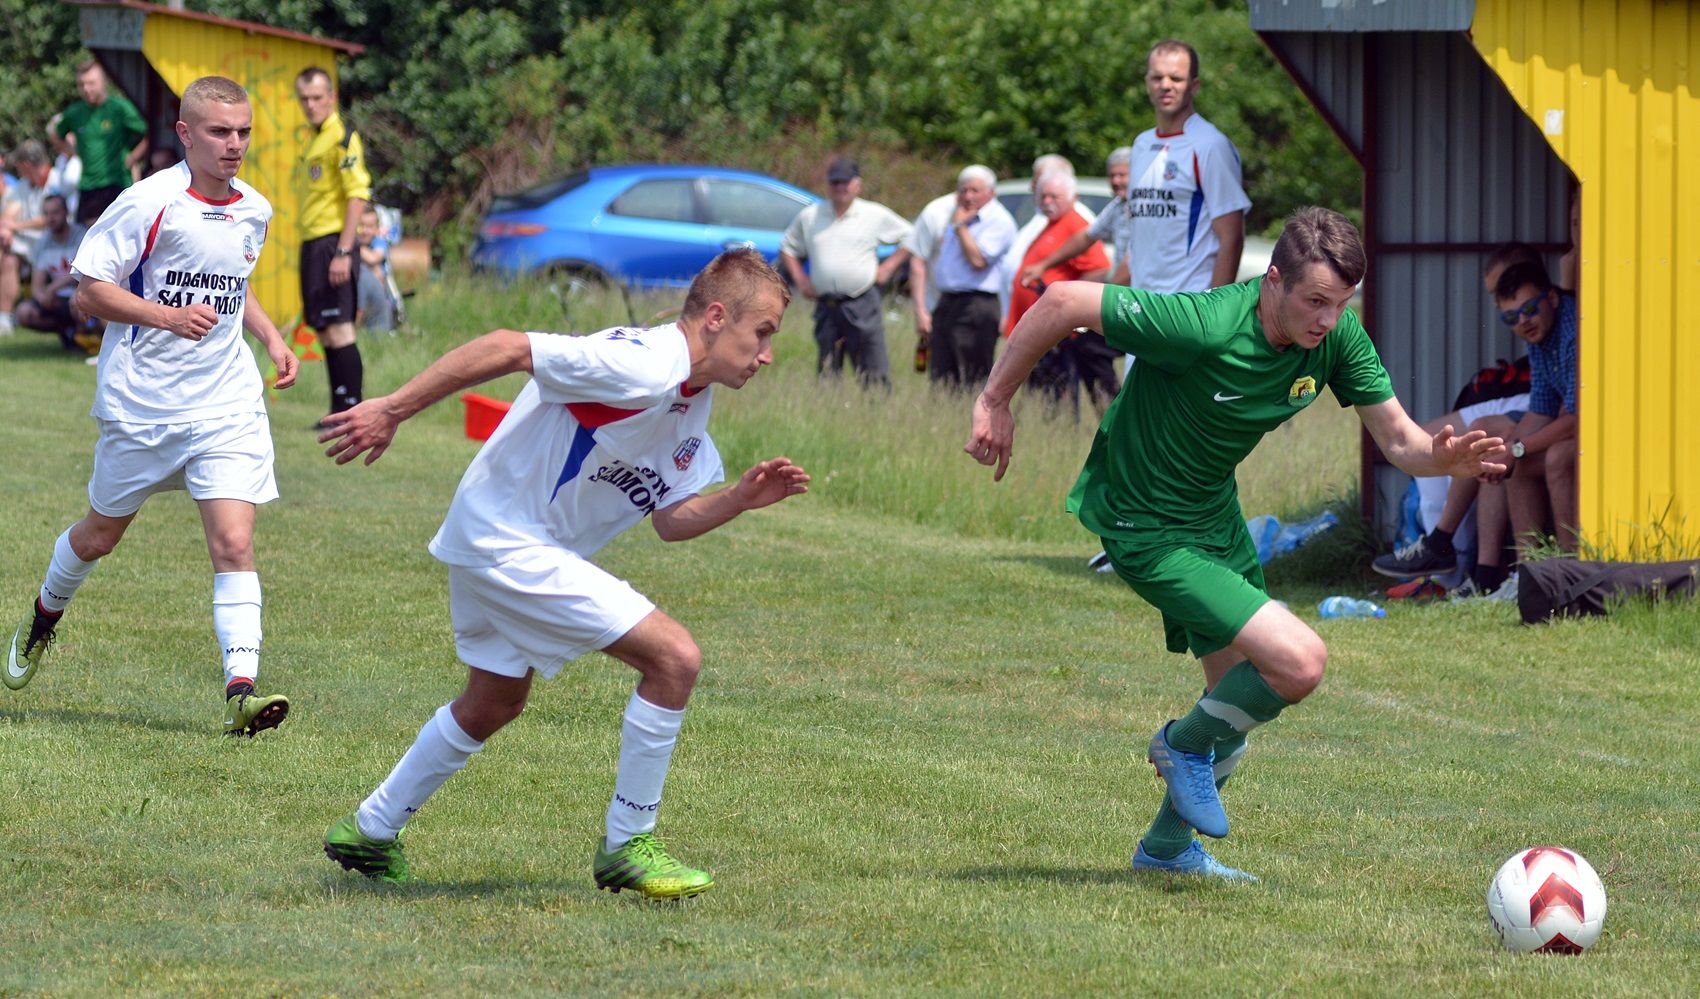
{"points": [[591, 415], [153, 232], [1169, 135], [235, 196], [1197, 174], [686, 390]]}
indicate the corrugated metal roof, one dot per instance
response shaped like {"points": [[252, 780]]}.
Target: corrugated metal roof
{"points": [[1362, 15]]}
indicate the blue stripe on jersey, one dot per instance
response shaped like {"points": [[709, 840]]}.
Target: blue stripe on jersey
{"points": [[583, 440], [136, 286]]}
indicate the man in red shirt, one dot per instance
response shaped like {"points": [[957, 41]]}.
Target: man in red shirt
{"points": [[1084, 358]]}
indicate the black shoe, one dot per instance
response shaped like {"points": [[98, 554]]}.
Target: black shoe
{"points": [[1419, 558]]}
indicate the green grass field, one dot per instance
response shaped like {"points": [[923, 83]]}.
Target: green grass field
{"points": [[915, 763]]}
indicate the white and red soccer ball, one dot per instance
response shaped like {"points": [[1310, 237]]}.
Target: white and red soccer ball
{"points": [[1548, 900]]}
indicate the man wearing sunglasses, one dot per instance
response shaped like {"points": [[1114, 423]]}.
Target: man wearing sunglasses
{"points": [[1540, 467]]}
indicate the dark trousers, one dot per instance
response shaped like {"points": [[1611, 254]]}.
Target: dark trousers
{"points": [[965, 334], [91, 203], [852, 328], [1082, 360]]}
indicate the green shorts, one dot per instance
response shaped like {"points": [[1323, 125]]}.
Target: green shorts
{"points": [[1206, 593]]}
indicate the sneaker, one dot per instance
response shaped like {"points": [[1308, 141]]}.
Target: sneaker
{"points": [[1100, 563], [1418, 558], [8, 325], [645, 866], [1192, 860], [1507, 590], [355, 851], [1417, 591], [248, 714], [1192, 784], [29, 647]]}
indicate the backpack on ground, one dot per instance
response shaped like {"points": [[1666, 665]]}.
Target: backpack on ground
{"points": [[1563, 587]]}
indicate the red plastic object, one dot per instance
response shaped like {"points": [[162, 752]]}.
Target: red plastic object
{"points": [[483, 415]]}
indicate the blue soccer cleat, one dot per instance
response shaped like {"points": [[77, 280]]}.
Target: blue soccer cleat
{"points": [[1192, 784], [1192, 860]]}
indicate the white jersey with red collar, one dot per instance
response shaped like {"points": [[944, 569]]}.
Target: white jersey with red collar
{"points": [[1181, 182], [165, 243], [603, 435]]}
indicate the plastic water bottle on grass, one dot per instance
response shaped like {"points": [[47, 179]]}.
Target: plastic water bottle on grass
{"points": [[1332, 607]]}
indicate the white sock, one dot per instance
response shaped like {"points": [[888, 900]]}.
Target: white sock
{"points": [[441, 750], [236, 622], [65, 572], [646, 749]]}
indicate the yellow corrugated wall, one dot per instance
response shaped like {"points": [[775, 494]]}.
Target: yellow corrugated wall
{"points": [[182, 51], [1611, 83]]}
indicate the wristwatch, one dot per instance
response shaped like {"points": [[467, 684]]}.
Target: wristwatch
{"points": [[1517, 449], [343, 251]]}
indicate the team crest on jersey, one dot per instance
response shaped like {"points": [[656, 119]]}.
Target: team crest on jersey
{"points": [[679, 407], [315, 171], [1171, 170], [1302, 392], [685, 452]]}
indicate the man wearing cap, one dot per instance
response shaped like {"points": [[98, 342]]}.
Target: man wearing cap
{"points": [[841, 237]]}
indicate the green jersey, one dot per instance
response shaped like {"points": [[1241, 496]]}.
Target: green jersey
{"points": [[1206, 388], [105, 135]]}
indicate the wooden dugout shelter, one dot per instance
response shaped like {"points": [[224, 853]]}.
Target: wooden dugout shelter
{"points": [[1474, 120], [151, 52]]}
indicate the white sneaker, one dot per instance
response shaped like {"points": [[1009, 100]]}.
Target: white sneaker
{"points": [[7, 324], [1507, 590]]}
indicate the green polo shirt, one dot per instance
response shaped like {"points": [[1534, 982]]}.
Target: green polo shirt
{"points": [[1206, 388]]}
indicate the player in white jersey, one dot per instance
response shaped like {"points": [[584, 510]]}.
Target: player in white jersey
{"points": [[180, 401], [613, 427], [1185, 202]]}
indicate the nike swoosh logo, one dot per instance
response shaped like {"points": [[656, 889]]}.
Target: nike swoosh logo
{"points": [[12, 659], [1219, 397]]}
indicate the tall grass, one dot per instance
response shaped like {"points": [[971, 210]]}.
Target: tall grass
{"points": [[894, 453]]}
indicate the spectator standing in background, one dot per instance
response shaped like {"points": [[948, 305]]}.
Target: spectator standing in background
{"points": [[110, 138], [841, 237], [958, 243]]}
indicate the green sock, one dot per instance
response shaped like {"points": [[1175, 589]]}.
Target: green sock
{"points": [[1169, 835], [1240, 702]]}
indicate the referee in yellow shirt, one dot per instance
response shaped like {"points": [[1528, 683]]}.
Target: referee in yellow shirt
{"points": [[335, 189]]}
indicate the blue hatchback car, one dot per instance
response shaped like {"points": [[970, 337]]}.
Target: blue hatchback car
{"points": [[649, 225]]}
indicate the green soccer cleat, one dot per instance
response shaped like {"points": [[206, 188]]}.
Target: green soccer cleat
{"points": [[645, 866], [29, 647], [248, 714], [356, 851]]}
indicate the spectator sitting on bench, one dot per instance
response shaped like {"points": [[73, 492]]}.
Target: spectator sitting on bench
{"points": [[1464, 524]]}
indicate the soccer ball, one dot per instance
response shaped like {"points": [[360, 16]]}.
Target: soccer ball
{"points": [[1547, 900]]}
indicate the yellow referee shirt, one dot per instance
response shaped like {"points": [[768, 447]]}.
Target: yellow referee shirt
{"points": [[331, 171]]}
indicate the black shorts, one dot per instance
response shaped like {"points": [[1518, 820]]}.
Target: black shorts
{"points": [[323, 305], [93, 202]]}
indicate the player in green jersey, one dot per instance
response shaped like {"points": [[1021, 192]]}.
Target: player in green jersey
{"points": [[1217, 370]]}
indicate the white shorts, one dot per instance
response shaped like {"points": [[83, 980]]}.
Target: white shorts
{"points": [[229, 457], [538, 609]]}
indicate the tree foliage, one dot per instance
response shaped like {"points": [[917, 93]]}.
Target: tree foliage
{"points": [[460, 101]]}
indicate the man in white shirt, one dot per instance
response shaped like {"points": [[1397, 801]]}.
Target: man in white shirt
{"points": [[21, 222], [179, 399], [612, 428], [49, 307], [1184, 197], [958, 245], [840, 238]]}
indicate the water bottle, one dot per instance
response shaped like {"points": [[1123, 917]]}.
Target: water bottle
{"points": [[1332, 607], [1294, 535]]}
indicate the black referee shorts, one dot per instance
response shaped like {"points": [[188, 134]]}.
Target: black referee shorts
{"points": [[322, 304]]}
